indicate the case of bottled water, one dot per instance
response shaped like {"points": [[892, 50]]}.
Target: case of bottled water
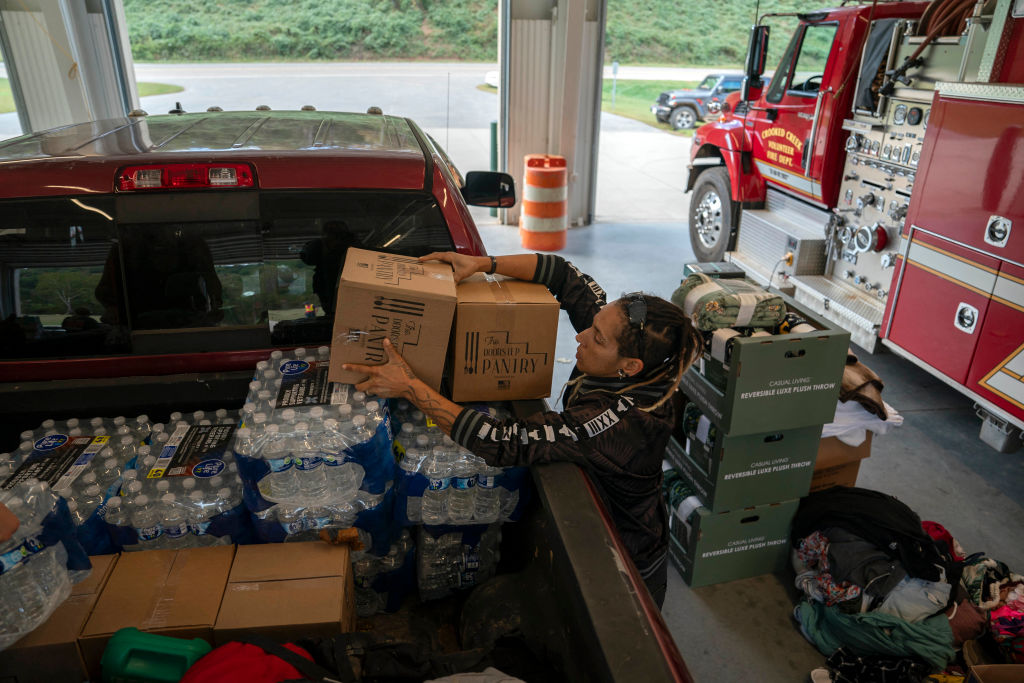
{"points": [[450, 559], [184, 490], [381, 583], [440, 482], [39, 562], [313, 454], [82, 460]]}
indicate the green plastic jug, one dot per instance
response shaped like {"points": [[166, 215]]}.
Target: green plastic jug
{"points": [[132, 656]]}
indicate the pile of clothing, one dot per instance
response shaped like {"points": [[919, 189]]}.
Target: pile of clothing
{"points": [[888, 597]]}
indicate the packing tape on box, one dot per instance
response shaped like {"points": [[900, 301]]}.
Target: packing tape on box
{"points": [[499, 292], [504, 316], [719, 342], [162, 604]]}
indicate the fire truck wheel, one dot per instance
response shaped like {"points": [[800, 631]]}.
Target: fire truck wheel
{"points": [[682, 118], [712, 215]]}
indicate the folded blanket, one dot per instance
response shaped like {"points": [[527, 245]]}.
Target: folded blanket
{"points": [[714, 303]]}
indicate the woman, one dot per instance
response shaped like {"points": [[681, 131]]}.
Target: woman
{"points": [[616, 417]]}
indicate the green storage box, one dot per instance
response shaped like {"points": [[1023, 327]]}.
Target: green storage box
{"points": [[750, 469], [718, 547], [776, 382]]}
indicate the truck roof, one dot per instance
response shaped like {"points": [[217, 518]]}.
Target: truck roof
{"points": [[288, 149]]}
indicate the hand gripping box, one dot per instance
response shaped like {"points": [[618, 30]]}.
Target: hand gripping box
{"points": [[387, 296], [286, 591], [504, 341], [167, 592], [50, 652]]}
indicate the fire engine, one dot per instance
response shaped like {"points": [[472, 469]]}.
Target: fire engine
{"points": [[877, 177]]}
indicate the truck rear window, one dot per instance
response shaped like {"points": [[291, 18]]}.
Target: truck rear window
{"points": [[202, 271]]}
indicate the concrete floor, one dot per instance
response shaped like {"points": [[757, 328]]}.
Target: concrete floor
{"points": [[743, 630]]}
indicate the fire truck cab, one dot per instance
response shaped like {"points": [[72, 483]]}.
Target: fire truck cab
{"points": [[876, 177]]}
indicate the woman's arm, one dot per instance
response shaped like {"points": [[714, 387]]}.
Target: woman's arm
{"points": [[395, 379], [519, 266]]}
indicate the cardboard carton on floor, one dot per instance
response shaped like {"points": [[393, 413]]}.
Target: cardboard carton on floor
{"points": [[996, 673], [838, 463], [167, 592], [504, 342], [286, 591], [709, 547], [50, 653], [386, 296]]}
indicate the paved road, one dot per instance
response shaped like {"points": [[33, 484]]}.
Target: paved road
{"points": [[640, 170]]}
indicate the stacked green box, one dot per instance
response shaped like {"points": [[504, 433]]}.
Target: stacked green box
{"points": [[757, 440]]}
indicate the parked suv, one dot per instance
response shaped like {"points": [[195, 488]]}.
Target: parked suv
{"points": [[162, 246], [683, 108]]}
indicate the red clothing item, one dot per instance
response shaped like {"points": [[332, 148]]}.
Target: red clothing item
{"points": [[939, 533], [244, 663]]}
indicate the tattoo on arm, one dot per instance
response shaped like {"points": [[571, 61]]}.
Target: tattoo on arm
{"points": [[440, 409]]}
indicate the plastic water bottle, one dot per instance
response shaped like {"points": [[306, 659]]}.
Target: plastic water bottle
{"points": [[34, 581], [410, 466], [488, 505], [291, 519], [146, 522], [88, 500], [509, 502], [174, 523], [462, 492], [434, 509], [282, 483], [364, 571]]}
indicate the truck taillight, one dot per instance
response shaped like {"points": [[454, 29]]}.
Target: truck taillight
{"points": [[184, 176]]}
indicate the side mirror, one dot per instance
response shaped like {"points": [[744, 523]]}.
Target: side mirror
{"points": [[489, 188], [757, 53]]}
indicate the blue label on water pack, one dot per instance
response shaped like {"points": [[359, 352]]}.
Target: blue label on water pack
{"points": [[293, 527], [294, 367], [438, 484], [208, 468], [308, 463], [51, 442], [486, 481], [176, 530], [148, 533], [463, 483], [199, 528], [17, 555], [279, 464]]}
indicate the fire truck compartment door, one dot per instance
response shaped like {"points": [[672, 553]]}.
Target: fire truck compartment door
{"points": [[972, 170], [942, 301], [997, 372]]}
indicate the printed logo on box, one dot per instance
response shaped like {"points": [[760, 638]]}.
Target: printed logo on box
{"points": [[51, 442]]}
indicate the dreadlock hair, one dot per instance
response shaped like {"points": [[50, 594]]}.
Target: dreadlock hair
{"points": [[669, 346]]}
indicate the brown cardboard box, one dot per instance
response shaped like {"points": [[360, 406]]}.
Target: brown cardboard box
{"points": [[50, 653], [996, 673], [287, 591], [397, 297], [167, 592], [504, 346], [837, 463]]}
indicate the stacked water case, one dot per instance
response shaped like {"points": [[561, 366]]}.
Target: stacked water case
{"points": [[749, 417], [314, 455], [39, 562], [455, 499]]}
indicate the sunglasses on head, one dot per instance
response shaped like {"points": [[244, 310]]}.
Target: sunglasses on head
{"points": [[636, 311]]}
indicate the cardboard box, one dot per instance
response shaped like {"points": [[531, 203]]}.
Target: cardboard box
{"points": [[838, 463], [725, 546], [996, 673], [50, 653], [167, 592], [775, 382], [288, 590], [504, 342], [396, 297], [746, 470]]}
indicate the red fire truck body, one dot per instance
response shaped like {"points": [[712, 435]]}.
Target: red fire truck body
{"points": [[882, 189]]}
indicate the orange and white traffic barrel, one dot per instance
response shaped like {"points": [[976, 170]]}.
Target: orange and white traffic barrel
{"points": [[542, 221]]}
